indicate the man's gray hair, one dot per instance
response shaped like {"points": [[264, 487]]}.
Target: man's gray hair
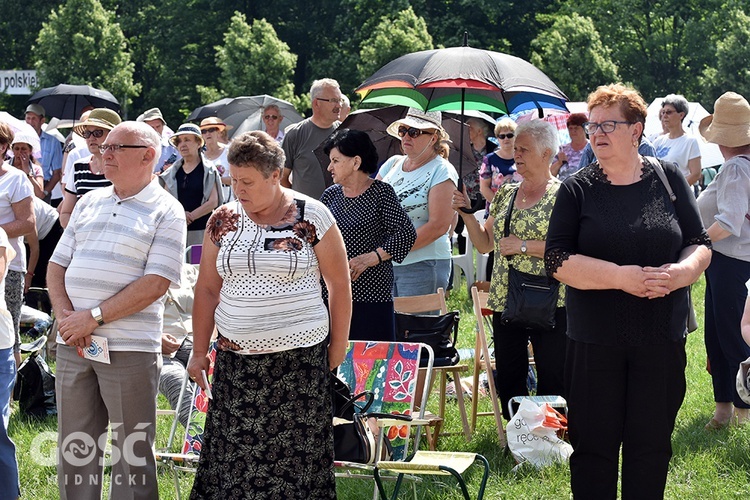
{"points": [[318, 86], [143, 134], [486, 130], [678, 102], [544, 135], [274, 106]]}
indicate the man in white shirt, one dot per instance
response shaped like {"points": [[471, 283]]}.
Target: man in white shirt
{"points": [[122, 248]]}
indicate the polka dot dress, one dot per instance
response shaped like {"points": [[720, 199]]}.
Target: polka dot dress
{"points": [[374, 219]]}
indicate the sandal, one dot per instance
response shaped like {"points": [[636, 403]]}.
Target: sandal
{"points": [[715, 425]]}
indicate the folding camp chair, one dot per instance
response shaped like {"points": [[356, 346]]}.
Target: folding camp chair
{"points": [[187, 460], [436, 302], [484, 361], [388, 370]]}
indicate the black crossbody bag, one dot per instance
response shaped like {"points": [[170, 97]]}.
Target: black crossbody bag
{"points": [[532, 300]]}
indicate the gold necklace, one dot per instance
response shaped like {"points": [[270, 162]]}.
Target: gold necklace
{"points": [[524, 194]]}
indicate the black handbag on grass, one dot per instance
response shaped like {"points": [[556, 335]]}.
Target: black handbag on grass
{"points": [[439, 332], [355, 434], [532, 300]]}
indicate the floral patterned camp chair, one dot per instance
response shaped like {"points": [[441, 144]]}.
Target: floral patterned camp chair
{"points": [[187, 460]]}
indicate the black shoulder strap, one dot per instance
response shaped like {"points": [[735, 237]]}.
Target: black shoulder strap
{"points": [[659, 169], [506, 230]]}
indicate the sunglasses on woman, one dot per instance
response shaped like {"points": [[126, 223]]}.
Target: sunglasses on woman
{"points": [[413, 132], [98, 133], [509, 135]]}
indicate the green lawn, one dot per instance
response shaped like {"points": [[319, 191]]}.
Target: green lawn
{"points": [[705, 465]]}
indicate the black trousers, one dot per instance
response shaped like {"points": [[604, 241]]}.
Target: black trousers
{"points": [[625, 396], [512, 361]]}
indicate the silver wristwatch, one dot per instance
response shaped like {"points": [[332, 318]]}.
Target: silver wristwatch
{"points": [[523, 247], [97, 315]]}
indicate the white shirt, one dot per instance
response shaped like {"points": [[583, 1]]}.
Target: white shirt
{"points": [[7, 331], [680, 150], [110, 243], [14, 187]]}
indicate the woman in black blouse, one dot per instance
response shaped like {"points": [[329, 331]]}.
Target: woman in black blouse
{"points": [[628, 254], [375, 227]]}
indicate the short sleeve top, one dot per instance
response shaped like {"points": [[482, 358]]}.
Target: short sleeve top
{"points": [[412, 190], [634, 224], [270, 298], [526, 223], [371, 220]]}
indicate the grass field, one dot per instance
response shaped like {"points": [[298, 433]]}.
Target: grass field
{"points": [[706, 465]]}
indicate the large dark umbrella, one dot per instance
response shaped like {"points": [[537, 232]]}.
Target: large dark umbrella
{"points": [[461, 78], [244, 113], [67, 101], [375, 122]]}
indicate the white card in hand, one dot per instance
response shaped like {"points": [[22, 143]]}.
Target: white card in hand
{"points": [[97, 351]]}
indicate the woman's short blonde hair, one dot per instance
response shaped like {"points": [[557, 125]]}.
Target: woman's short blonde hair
{"points": [[631, 103], [504, 125]]}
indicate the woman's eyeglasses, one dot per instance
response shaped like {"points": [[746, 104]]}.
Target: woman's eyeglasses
{"points": [[413, 132], [98, 133], [509, 135], [209, 130], [607, 127]]}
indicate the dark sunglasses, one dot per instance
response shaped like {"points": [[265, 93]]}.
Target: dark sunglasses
{"points": [[413, 132], [271, 117], [98, 133], [209, 130], [509, 135]]}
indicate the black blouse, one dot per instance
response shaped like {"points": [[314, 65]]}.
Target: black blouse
{"points": [[635, 224], [373, 219]]}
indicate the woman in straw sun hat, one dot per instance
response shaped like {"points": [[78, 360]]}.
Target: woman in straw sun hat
{"points": [[424, 184], [87, 174], [724, 208]]}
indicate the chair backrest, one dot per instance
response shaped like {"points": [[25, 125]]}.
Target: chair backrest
{"points": [[193, 254], [197, 419], [421, 303], [389, 370]]}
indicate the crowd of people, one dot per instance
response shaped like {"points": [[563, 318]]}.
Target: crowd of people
{"points": [[297, 259]]}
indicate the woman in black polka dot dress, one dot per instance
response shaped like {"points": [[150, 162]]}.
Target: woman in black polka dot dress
{"points": [[376, 230]]}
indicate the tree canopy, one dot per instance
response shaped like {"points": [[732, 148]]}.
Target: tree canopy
{"points": [[176, 54]]}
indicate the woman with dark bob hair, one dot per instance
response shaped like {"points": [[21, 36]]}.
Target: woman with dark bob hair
{"points": [[259, 283], [375, 228], [628, 254]]}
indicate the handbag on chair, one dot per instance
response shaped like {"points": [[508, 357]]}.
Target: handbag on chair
{"points": [[439, 332]]}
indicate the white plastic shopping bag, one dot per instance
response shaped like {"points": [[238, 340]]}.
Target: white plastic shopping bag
{"points": [[532, 435]]}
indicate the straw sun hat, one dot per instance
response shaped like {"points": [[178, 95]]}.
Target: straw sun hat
{"points": [[99, 117], [421, 120], [730, 124]]}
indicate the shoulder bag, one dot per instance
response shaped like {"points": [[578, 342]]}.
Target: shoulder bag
{"points": [[692, 319], [532, 300], [439, 332]]}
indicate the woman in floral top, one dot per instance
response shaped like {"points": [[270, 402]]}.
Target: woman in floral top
{"points": [[259, 284], [535, 146]]}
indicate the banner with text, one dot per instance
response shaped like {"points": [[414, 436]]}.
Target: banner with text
{"points": [[17, 81]]}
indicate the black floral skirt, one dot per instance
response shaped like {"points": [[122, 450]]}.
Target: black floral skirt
{"points": [[268, 430]]}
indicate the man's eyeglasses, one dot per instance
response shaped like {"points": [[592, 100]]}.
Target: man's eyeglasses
{"points": [[509, 135], [332, 101], [117, 147], [607, 127], [413, 132], [209, 130], [98, 133], [276, 117]]}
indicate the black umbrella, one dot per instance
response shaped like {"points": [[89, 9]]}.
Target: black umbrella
{"points": [[375, 122], [67, 101], [243, 114]]}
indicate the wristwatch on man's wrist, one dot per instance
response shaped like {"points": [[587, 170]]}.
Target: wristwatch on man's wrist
{"points": [[97, 315], [523, 247]]}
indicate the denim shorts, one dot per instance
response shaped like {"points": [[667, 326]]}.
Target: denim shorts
{"points": [[421, 278]]}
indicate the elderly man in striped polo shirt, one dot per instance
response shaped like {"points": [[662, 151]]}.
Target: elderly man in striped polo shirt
{"points": [[122, 248]]}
